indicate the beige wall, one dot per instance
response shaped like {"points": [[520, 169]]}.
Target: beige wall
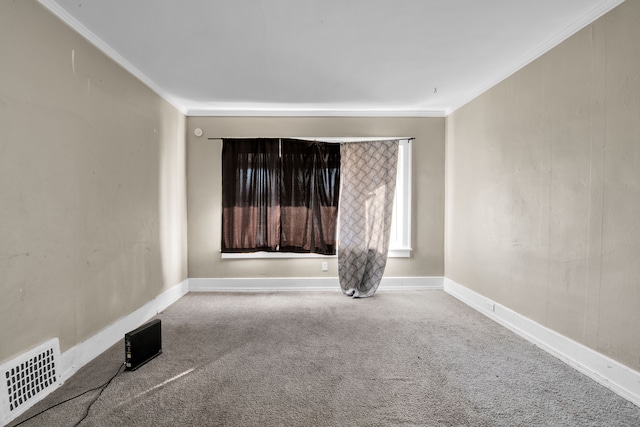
{"points": [[92, 186], [204, 192], [543, 189], [543, 183]]}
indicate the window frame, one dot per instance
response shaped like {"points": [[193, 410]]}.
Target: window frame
{"points": [[400, 244]]}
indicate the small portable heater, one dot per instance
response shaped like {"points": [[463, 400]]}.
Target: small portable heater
{"points": [[142, 344]]}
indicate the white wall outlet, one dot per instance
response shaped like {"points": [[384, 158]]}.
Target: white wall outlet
{"points": [[491, 306], [325, 266]]}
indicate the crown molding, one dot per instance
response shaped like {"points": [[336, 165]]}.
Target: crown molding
{"points": [[94, 39], [571, 29], [76, 25], [587, 19], [293, 112]]}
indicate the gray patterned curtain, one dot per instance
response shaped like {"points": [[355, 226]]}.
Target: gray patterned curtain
{"points": [[368, 172]]}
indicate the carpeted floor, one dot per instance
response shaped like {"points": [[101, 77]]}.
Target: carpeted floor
{"points": [[415, 358]]}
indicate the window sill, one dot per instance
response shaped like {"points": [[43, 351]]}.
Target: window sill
{"points": [[393, 253], [400, 253]]}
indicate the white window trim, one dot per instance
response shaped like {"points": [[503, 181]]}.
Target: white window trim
{"points": [[400, 245]]}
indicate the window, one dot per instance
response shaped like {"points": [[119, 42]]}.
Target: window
{"points": [[400, 245]]}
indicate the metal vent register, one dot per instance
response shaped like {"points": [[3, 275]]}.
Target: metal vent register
{"points": [[28, 378]]}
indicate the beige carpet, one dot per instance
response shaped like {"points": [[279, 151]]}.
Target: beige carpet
{"points": [[416, 358]]}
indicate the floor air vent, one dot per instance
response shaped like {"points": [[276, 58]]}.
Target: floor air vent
{"points": [[28, 378]]}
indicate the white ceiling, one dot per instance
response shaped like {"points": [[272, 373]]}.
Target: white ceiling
{"points": [[325, 57]]}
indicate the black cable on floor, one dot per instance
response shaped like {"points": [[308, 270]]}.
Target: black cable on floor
{"points": [[102, 386], [98, 396]]}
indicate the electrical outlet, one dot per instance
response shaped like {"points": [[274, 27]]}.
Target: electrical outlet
{"points": [[325, 266], [491, 305]]}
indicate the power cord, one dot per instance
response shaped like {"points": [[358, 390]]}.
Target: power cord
{"points": [[98, 396], [102, 387]]}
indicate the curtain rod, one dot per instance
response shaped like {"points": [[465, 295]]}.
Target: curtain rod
{"points": [[359, 139]]}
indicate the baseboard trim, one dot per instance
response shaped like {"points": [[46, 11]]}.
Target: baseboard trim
{"points": [[81, 354], [259, 284], [617, 377]]}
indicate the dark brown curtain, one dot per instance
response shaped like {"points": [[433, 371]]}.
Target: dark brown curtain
{"points": [[309, 193], [250, 195], [280, 195]]}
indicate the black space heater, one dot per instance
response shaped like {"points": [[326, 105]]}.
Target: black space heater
{"points": [[142, 344]]}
